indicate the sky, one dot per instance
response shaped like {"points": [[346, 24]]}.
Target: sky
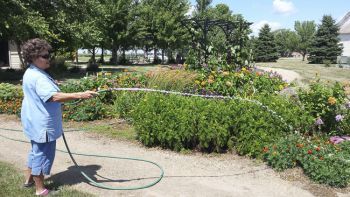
{"points": [[283, 13]]}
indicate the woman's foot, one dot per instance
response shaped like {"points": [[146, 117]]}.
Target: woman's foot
{"points": [[28, 184], [45, 192]]}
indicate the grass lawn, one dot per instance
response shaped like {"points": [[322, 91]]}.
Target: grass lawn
{"points": [[113, 128], [308, 71], [12, 179]]}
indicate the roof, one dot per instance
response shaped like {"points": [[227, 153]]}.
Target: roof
{"points": [[344, 24]]}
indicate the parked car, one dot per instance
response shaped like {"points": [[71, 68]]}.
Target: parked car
{"points": [[150, 56]]}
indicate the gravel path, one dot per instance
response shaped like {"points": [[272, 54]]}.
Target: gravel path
{"points": [[287, 75], [185, 175]]}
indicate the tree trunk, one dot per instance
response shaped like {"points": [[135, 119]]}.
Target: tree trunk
{"points": [[18, 45], [114, 55], [76, 57], [102, 55], [93, 55], [163, 56], [154, 55], [304, 54]]}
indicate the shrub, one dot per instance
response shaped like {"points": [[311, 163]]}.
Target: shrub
{"points": [[11, 74], [10, 98], [58, 65], [244, 82], [92, 109], [175, 80], [324, 103], [322, 161], [92, 67], [284, 153], [290, 110], [126, 102], [209, 125], [86, 110]]}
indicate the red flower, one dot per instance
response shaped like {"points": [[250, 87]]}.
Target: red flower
{"points": [[309, 152], [265, 149], [318, 148], [300, 145]]}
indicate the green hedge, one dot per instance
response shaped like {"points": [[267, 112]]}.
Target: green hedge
{"points": [[209, 125]]}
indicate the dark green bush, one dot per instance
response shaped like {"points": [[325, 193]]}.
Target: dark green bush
{"points": [[210, 125], [125, 102]]}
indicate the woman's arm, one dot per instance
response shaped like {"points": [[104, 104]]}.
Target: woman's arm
{"points": [[63, 97]]}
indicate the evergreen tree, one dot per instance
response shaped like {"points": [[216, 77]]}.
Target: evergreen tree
{"points": [[266, 49], [325, 46]]}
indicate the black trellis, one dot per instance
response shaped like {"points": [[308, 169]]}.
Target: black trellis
{"points": [[205, 25]]}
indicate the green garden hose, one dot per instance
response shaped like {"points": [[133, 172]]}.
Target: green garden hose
{"points": [[92, 182]]}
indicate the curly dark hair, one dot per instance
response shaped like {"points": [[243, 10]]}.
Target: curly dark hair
{"points": [[33, 48]]}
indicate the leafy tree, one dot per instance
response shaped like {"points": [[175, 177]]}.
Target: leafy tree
{"points": [[306, 31], [325, 46], [160, 25], [202, 6], [266, 49], [286, 41]]}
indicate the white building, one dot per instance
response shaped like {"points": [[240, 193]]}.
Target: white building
{"points": [[9, 55], [344, 34]]}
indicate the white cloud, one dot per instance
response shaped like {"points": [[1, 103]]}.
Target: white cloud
{"points": [[283, 6], [258, 25]]}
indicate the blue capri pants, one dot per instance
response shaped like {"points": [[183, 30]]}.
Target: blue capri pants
{"points": [[41, 157]]}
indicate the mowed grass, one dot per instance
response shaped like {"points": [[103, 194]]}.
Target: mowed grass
{"points": [[112, 128], [12, 179], [309, 71]]}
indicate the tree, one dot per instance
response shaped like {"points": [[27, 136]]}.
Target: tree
{"points": [[202, 6], [286, 41], [266, 49], [306, 31], [326, 46]]}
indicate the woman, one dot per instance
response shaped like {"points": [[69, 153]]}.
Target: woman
{"points": [[41, 114]]}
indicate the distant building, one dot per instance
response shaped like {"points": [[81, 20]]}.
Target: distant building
{"points": [[344, 34], [296, 55], [9, 57]]}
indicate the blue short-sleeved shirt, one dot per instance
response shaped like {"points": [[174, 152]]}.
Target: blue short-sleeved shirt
{"points": [[41, 119]]}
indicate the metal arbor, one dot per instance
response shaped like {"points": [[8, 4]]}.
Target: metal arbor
{"points": [[199, 29]]}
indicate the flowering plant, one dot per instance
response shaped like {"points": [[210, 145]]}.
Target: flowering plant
{"points": [[328, 105]]}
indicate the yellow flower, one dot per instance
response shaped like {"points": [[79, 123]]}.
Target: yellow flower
{"points": [[203, 83], [197, 82], [228, 83], [332, 100], [345, 83], [210, 80], [244, 69], [225, 73], [280, 87], [108, 74], [211, 77]]}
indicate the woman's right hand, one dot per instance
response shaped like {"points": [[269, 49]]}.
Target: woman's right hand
{"points": [[87, 94]]}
